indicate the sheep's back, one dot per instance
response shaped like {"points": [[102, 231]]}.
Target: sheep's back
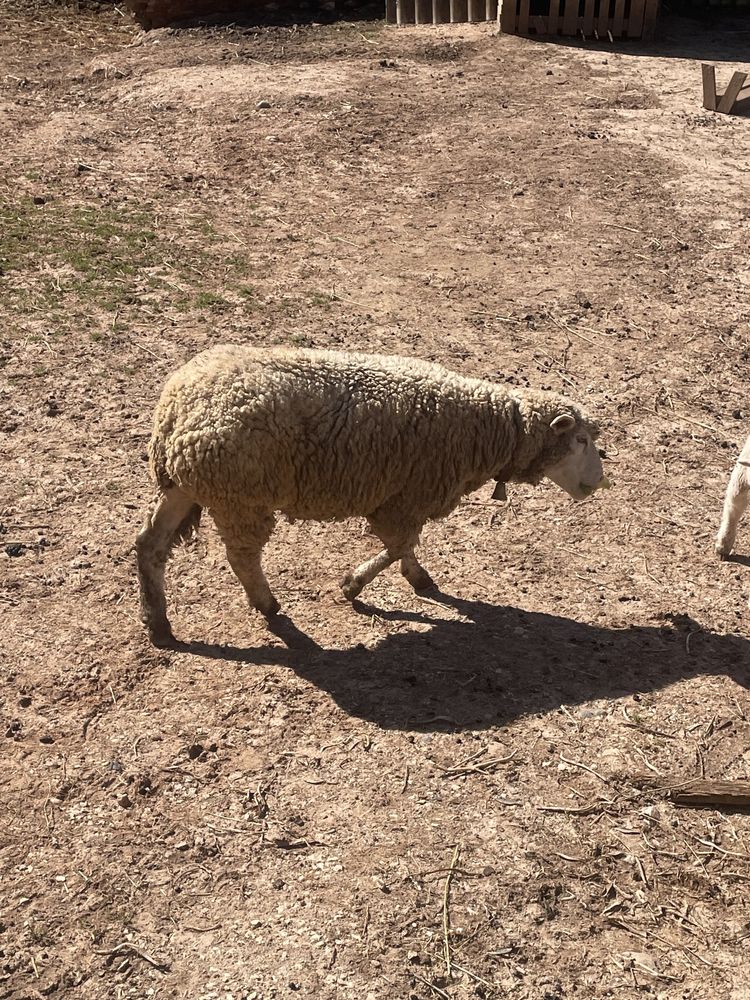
{"points": [[316, 434]]}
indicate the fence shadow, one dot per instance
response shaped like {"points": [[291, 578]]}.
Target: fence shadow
{"points": [[490, 665]]}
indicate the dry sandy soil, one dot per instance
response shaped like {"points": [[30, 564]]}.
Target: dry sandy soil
{"points": [[413, 799]]}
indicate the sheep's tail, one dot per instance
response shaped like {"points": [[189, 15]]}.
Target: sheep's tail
{"points": [[189, 525]]}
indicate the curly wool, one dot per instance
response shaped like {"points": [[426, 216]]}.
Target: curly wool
{"points": [[327, 435]]}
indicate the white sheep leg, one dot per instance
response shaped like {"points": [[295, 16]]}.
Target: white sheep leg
{"points": [[153, 544], [735, 502], [244, 540], [353, 583]]}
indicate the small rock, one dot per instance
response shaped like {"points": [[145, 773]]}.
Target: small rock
{"points": [[25, 701], [39, 199], [15, 549], [262, 105], [124, 801]]}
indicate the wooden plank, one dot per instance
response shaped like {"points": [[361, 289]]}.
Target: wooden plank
{"points": [[508, 16], [619, 19], [570, 17], [423, 11], [709, 86], [603, 19], [731, 93], [390, 11], [588, 19], [553, 17], [635, 21], [404, 11], [490, 10], [441, 11], [539, 23], [458, 11], [475, 10], [523, 18], [649, 19]]}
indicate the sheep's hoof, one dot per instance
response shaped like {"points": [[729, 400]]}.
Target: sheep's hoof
{"points": [[722, 551], [350, 588], [162, 638], [271, 609], [422, 582]]}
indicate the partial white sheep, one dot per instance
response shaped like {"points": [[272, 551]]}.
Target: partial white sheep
{"points": [[735, 502], [324, 435]]}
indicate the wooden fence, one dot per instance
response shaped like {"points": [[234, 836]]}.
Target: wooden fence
{"points": [[602, 19]]}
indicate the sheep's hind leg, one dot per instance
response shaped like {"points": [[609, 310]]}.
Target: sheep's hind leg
{"points": [[415, 573], [244, 541], [153, 544]]}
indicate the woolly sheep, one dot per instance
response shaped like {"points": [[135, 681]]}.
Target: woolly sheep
{"points": [[323, 435], [735, 502]]}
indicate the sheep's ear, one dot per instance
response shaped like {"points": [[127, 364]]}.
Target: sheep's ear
{"points": [[564, 423]]}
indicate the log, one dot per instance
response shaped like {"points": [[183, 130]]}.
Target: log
{"points": [[700, 792]]}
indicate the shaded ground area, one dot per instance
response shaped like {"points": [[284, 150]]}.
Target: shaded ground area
{"points": [[404, 798]]}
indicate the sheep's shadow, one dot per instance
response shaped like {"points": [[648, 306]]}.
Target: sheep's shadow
{"points": [[489, 665]]}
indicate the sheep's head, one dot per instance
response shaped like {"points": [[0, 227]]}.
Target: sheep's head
{"points": [[579, 471], [557, 441]]}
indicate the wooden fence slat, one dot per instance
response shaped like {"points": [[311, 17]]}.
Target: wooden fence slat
{"points": [[553, 17], [404, 11], [618, 19], [441, 11], [523, 18], [588, 19], [570, 17], [635, 21], [390, 11], [490, 10], [508, 16], [602, 21], [423, 11], [475, 10], [649, 19]]}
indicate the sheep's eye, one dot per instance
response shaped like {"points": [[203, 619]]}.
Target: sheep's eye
{"points": [[582, 440]]}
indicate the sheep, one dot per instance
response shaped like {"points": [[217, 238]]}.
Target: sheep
{"points": [[735, 502], [325, 435]]}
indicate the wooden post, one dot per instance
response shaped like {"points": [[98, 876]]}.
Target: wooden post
{"points": [[731, 93], [404, 11], [553, 18], [523, 18], [635, 21], [570, 17], [619, 19], [508, 16], [588, 19], [390, 11], [709, 87]]}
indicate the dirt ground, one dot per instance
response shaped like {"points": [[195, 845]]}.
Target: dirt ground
{"points": [[414, 799]]}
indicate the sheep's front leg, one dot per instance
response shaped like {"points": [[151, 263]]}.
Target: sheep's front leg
{"points": [[399, 543], [152, 545], [244, 540], [735, 502]]}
